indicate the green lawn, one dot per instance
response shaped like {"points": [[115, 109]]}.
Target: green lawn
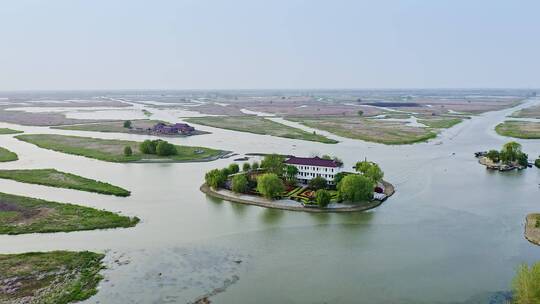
{"points": [[110, 126], [440, 123], [113, 150], [373, 130], [6, 155], [259, 125], [9, 131], [58, 277], [519, 129], [20, 214], [54, 178]]}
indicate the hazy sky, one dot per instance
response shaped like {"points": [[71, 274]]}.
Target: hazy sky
{"points": [[229, 44]]}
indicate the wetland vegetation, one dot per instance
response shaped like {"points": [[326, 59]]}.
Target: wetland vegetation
{"points": [[6, 155], [519, 129]]}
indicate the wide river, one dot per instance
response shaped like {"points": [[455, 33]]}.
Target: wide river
{"points": [[452, 233]]}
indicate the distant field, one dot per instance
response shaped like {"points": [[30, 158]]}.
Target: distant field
{"points": [[374, 130], [54, 178], [531, 112], [519, 129], [259, 125], [440, 123], [113, 150], [4, 131], [20, 214], [118, 127], [49, 277], [6, 155]]}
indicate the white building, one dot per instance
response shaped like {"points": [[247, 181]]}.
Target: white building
{"points": [[311, 167]]}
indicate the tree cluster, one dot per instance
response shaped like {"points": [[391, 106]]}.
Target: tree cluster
{"points": [[157, 147]]}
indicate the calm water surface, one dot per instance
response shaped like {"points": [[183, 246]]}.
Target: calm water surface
{"points": [[452, 233]]}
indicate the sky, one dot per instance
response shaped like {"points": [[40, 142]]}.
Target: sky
{"points": [[273, 44]]}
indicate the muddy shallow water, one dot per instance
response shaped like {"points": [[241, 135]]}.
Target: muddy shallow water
{"points": [[452, 232]]}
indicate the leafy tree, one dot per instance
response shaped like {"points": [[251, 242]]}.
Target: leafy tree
{"points": [[322, 197], [273, 163], [270, 185], [526, 285], [226, 172], [511, 150], [317, 183], [127, 124], [493, 155], [233, 168], [338, 177], [326, 156], [370, 170], [537, 163], [523, 159], [128, 151], [246, 167], [215, 178], [147, 147], [338, 161], [360, 113], [255, 165], [240, 184], [355, 188], [164, 148], [290, 173]]}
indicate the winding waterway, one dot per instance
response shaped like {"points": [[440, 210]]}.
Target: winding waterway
{"points": [[452, 233]]}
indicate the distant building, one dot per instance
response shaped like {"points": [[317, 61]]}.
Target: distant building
{"points": [[177, 128], [311, 167]]}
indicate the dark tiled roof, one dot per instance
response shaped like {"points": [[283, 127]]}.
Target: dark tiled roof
{"points": [[312, 161]]}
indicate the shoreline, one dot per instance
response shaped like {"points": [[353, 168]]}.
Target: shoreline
{"points": [[532, 233], [271, 204]]}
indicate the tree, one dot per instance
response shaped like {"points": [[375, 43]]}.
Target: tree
{"points": [[147, 147], [526, 285], [164, 148], [290, 173], [127, 124], [225, 172], [360, 113], [270, 185], [493, 155], [370, 170], [317, 183], [128, 151], [255, 165], [338, 177], [215, 178], [246, 167], [523, 159], [326, 156], [322, 197], [537, 163], [273, 163], [355, 188], [511, 150], [233, 168], [240, 184]]}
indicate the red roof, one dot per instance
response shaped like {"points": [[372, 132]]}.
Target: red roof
{"points": [[312, 161]]}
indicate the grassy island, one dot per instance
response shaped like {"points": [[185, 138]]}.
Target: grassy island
{"points": [[58, 179], [259, 125], [4, 131], [6, 155], [58, 277], [519, 129], [139, 126], [509, 158], [114, 150], [373, 130], [19, 215], [440, 123]]}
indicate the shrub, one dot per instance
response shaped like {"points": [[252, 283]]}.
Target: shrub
{"points": [[270, 185], [537, 163], [215, 178], [225, 171], [317, 183], [355, 188], [523, 159], [164, 148], [233, 168], [246, 167], [128, 151], [240, 184], [255, 166], [493, 155], [127, 124], [322, 197], [146, 147]]}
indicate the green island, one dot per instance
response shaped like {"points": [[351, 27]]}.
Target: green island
{"points": [[58, 277], [519, 129], [259, 125], [114, 150], [20, 214], [509, 158], [4, 131], [58, 179], [440, 123], [6, 155], [300, 184], [373, 130], [531, 112]]}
